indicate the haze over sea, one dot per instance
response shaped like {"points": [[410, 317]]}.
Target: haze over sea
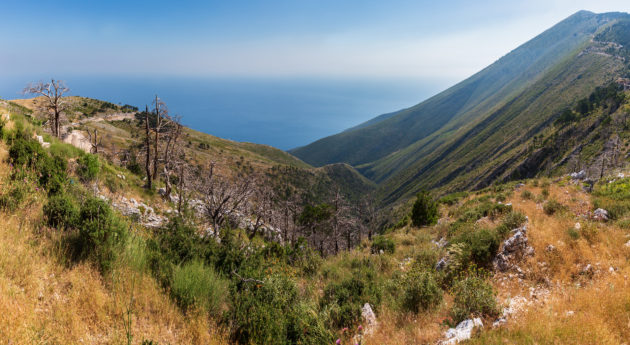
{"points": [[283, 112]]}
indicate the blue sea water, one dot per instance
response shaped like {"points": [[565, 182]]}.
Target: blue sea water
{"points": [[282, 112]]}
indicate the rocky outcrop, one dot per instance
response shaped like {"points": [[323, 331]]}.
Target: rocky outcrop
{"points": [[462, 332], [369, 318], [140, 212], [40, 140], [600, 214], [78, 140], [578, 175], [513, 250]]}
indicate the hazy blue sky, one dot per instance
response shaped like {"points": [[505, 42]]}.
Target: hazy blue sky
{"points": [[327, 38]]}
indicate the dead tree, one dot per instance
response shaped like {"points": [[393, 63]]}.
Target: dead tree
{"points": [[261, 205], [54, 104], [161, 113], [223, 197], [288, 202], [368, 213], [173, 153], [94, 140], [147, 144]]}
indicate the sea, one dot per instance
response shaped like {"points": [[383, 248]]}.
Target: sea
{"points": [[282, 112]]}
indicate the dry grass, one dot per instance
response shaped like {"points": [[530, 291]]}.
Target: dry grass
{"points": [[43, 301], [573, 308]]}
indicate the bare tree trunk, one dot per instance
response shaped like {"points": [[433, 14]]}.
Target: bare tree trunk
{"points": [[147, 142], [158, 127]]}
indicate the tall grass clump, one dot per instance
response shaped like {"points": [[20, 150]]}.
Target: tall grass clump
{"points": [[421, 291], [195, 284], [473, 296]]}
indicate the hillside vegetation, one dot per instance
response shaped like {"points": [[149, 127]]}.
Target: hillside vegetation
{"points": [[75, 270], [478, 131]]}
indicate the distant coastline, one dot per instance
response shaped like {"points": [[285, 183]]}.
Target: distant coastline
{"points": [[284, 113]]}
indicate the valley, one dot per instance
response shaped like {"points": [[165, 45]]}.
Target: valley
{"points": [[495, 212]]}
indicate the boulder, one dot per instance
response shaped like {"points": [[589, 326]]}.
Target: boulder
{"points": [[514, 248], [369, 318], [578, 175], [442, 264], [600, 214], [462, 332]]}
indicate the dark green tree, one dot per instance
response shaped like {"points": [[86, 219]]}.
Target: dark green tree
{"points": [[425, 210]]}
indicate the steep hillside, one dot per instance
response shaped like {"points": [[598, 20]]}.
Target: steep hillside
{"points": [[479, 130], [466, 101], [486, 149], [534, 262]]}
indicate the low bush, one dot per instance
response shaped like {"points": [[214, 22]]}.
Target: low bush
{"points": [[26, 153], [426, 259], [15, 195], [421, 291], [473, 296], [510, 222], [552, 206], [100, 232], [480, 246], [545, 193], [573, 233], [345, 298], [89, 166], [527, 195], [383, 243], [198, 285], [271, 312], [61, 212]]}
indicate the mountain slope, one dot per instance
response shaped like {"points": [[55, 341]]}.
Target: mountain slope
{"points": [[482, 120]]}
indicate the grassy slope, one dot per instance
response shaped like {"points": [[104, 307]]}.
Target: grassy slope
{"points": [[598, 303], [46, 300], [489, 147], [466, 101]]}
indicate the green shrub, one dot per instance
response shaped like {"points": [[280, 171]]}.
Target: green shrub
{"points": [[11, 200], [272, 313], [61, 212], [89, 166], [404, 221], [573, 233], [473, 296], [100, 232], [135, 168], [510, 222], [383, 243], [425, 210], [345, 298], [527, 195], [552, 206], [481, 246], [198, 285], [52, 172], [426, 259], [421, 292], [545, 193], [304, 257], [453, 198], [26, 153]]}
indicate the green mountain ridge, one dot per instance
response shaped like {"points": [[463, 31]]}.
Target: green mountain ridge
{"points": [[476, 132]]}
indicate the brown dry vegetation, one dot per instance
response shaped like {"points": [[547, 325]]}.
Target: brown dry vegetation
{"points": [[567, 305], [44, 300]]}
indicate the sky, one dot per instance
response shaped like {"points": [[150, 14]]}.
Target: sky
{"points": [[446, 40]]}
